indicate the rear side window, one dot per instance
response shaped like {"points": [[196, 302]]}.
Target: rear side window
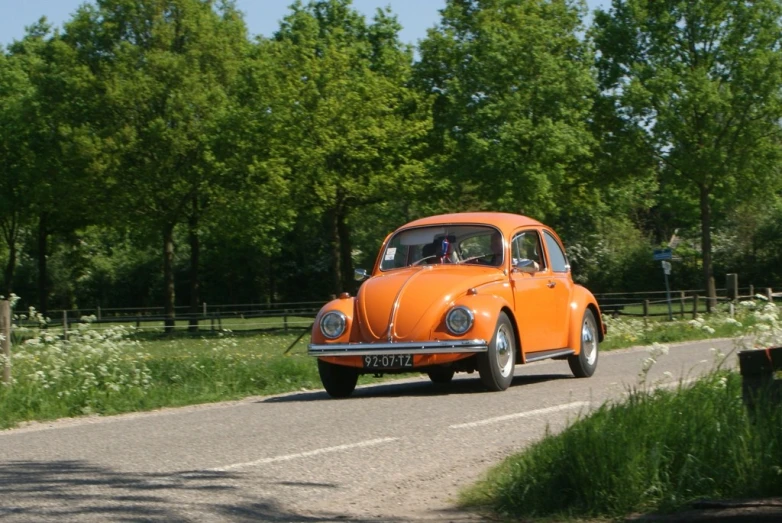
{"points": [[558, 260]]}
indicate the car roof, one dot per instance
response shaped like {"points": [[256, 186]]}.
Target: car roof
{"points": [[504, 221]]}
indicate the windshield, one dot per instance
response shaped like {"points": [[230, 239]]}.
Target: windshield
{"points": [[474, 244]]}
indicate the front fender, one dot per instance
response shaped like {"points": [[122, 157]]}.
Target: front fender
{"points": [[486, 309], [581, 301], [346, 306]]}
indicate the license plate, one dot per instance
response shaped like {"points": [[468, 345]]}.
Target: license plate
{"points": [[388, 361]]}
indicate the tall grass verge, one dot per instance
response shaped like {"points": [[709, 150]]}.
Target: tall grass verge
{"points": [[107, 371], [656, 451]]}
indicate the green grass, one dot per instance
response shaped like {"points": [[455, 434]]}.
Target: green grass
{"points": [[109, 372], [654, 452]]}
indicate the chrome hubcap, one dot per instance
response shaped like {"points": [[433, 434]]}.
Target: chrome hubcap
{"points": [[504, 351], [589, 341]]}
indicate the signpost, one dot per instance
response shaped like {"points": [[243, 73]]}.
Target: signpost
{"points": [[663, 255]]}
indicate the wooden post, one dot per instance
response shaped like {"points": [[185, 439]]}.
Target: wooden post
{"points": [[751, 292], [681, 302], [695, 306], [65, 325], [770, 295], [732, 286], [204, 309], [98, 312], [5, 333]]}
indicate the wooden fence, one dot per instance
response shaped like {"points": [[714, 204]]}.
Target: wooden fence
{"points": [[239, 317], [683, 303], [299, 315]]}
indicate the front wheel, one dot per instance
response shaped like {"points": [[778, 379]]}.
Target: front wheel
{"points": [[495, 366], [338, 380], [441, 375], [584, 363]]}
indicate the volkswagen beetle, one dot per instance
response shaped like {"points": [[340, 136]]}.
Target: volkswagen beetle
{"points": [[459, 293]]}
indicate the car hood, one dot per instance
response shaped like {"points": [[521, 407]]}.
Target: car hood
{"points": [[411, 302]]}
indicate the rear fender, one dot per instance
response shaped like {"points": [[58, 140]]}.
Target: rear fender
{"points": [[581, 301]]}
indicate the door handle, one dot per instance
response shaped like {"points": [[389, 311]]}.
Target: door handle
{"points": [[551, 284]]}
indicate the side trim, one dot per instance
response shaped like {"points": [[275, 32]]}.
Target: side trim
{"points": [[408, 347], [546, 354]]}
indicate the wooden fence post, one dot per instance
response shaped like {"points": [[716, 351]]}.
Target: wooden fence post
{"points": [[5, 332], [681, 302], [65, 325], [751, 292], [695, 306], [770, 295]]}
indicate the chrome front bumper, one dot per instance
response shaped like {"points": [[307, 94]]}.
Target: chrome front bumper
{"points": [[407, 347]]}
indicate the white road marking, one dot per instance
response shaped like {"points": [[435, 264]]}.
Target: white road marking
{"points": [[566, 406], [288, 457]]}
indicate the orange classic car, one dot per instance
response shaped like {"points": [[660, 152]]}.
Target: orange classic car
{"points": [[458, 293]]}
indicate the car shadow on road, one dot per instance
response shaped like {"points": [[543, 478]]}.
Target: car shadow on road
{"points": [[417, 388], [75, 490]]}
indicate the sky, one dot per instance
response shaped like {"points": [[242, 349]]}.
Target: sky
{"points": [[262, 16]]}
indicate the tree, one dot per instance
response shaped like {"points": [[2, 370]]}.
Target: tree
{"points": [[700, 80], [512, 82], [15, 172], [164, 66], [51, 170], [353, 124]]}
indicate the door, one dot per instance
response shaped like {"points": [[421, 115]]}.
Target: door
{"points": [[540, 294]]}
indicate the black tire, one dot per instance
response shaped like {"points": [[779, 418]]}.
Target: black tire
{"points": [[584, 363], [338, 380], [441, 375], [496, 365]]}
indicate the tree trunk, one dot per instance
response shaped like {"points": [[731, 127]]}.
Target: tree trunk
{"points": [[272, 282], [336, 267], [10, 266], [168, 278], [43, 284], [345, 253], [708, 272], [195, 284]]}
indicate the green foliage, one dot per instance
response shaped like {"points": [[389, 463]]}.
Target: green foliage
{"points": [[268, 169], [512, 84], [698, 80]]}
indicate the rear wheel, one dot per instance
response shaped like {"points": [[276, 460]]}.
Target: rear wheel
{"points": [[584, 363], [338, 380], [495, 366], [441, 375]]}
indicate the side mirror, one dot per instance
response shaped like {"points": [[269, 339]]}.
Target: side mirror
{"points": [[526, 265], [360, 274]]}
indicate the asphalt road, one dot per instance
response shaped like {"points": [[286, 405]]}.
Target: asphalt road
{"points": [[395, 451]]}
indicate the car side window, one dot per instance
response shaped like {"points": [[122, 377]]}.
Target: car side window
{"points": [[526, 246], [558, 260]]}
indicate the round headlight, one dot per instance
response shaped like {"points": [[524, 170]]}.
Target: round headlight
{"points": [[332, 324], [459, 320]]}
